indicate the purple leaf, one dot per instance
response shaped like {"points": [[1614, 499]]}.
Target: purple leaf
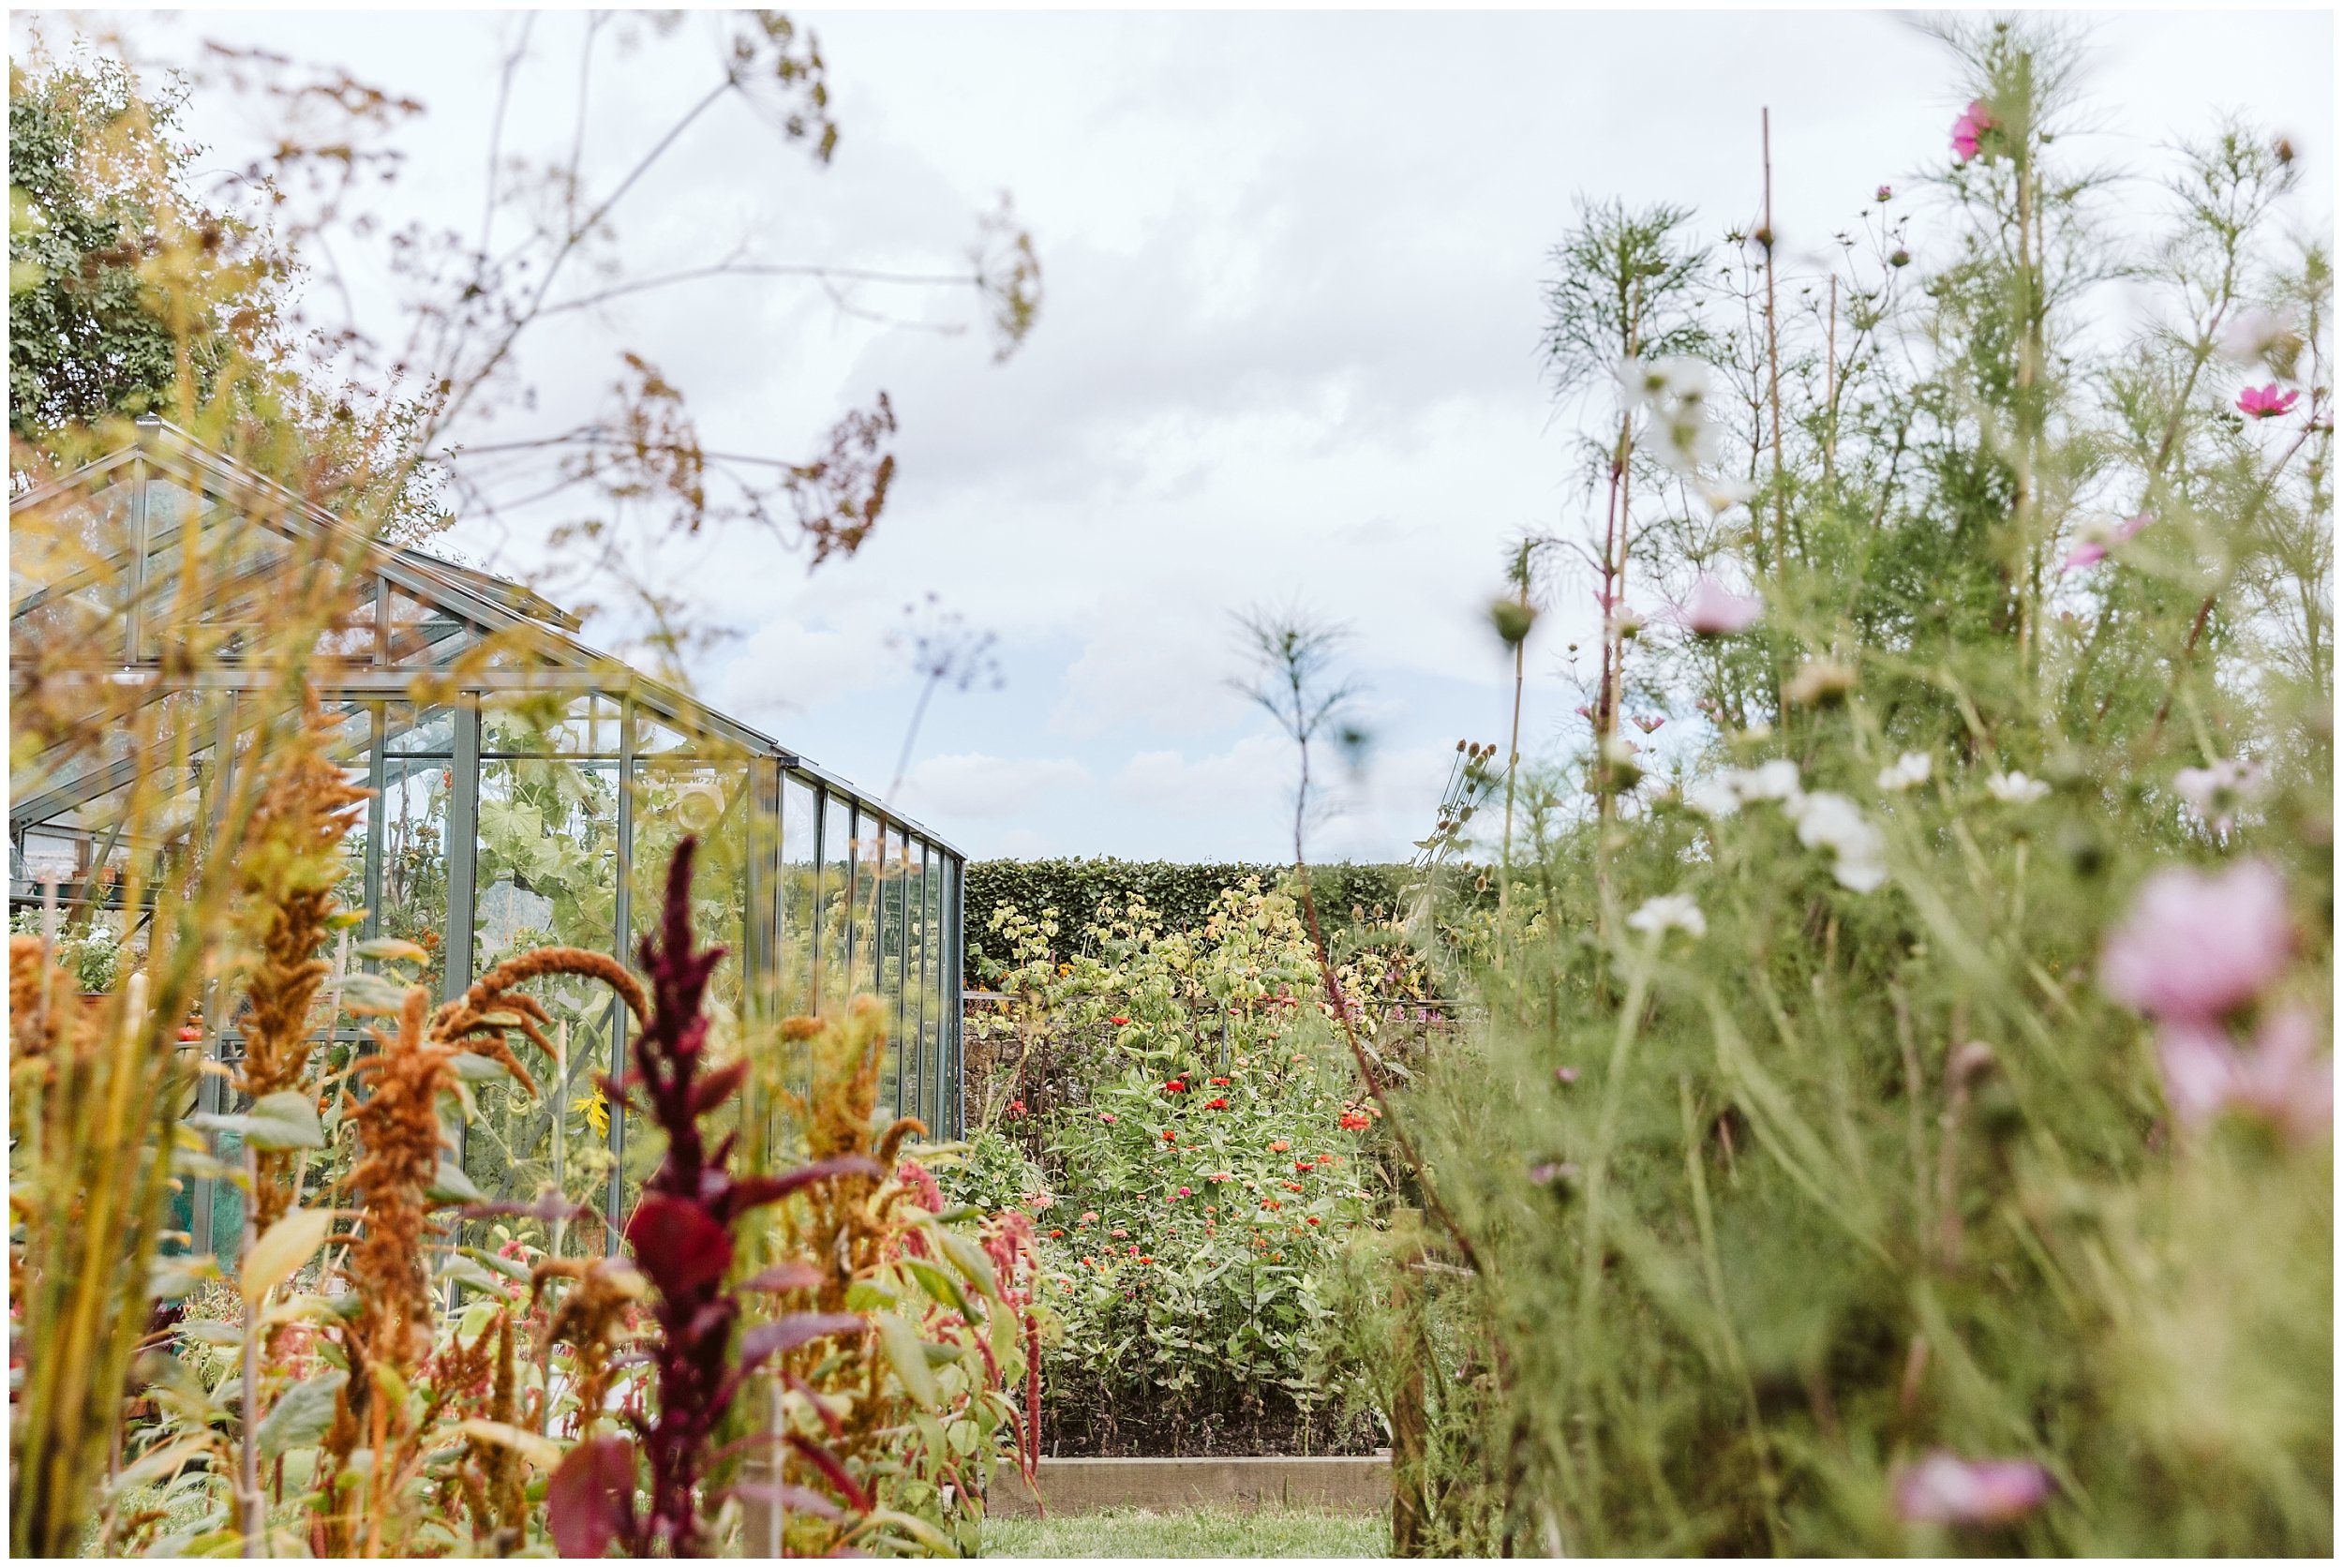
{"points": [[717, 1087], [795, 1499], [678, 1244], [752, 1191], [794, 1329], [795, 1274], [834, 1471], [590, 1499], [548, 1206]]}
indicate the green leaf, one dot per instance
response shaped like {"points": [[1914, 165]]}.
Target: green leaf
{"points": [[286, 1246], [391, 949], [287, 1119], [450, 1186], [363, 992], [472, 1068], [541, 1452], [207, 1331], [465, 1271], [301, 1418], [863, 1296], [969, 1259], [939, 1284], [171, 1278], [906, 1353], [512, 1268]]}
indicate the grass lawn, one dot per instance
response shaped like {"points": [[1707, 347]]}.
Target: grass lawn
{"points": [[1192, 1533]]}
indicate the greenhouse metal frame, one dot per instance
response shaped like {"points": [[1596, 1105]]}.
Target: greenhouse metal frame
{"points": [[533, 800]]}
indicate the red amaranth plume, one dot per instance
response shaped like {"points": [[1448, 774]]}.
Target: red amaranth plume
{"points": [[680, 1234]]}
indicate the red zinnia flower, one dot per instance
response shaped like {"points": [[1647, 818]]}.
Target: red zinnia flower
{"points": [[1171, 1137], [1118, 1022], [1313, 1219], [1216, 1104]]}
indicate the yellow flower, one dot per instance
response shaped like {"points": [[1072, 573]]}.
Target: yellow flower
{"points": [[597, 1110]]}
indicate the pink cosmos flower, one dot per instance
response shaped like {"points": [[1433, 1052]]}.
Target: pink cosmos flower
{"points": [[2281, 1078], [2097, 542], [2195, 945], [2265, 402], [1648, 722], [1946, 1490], [1885, 193], [1973, 123], [1713, 611], [1584, 711], [2215, 793]]}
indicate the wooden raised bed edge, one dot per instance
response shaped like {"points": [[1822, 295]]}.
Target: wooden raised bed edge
{"points": [[1349, 1485]]}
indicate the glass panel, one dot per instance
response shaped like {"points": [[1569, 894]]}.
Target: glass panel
{"points": [[583, 724], [710, 800], [430, 734], [424, 634], [931, 998], [547, 876], [68, 543], [171, 507], [894, 1089], [915, 983], [652, 735], [414, 856], [351, 640], [801, 894], [834, 978], [948, 985], [863, 940]]}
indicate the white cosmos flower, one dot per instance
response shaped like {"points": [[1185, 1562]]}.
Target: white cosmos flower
{"points": [[1860, 874], [1908, 771], [1830, 821], [1669, 911], [1776, 780], [1714, 798], [2014, 789]]}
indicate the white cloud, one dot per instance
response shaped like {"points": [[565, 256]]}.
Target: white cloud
{"points": [[1253, 777], [788, 665], [973, 785]]}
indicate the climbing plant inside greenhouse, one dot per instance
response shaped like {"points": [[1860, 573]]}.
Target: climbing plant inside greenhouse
{"points": [[1783, 1008]]}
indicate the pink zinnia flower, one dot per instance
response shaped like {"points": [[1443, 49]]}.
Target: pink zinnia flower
{"points": [[2281, 1078], [2097, 542], [2195, 946], [1712, 611], [2265, 402], [1946, 1490], [1973, 123]]}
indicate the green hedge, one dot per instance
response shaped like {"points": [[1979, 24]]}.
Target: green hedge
{"points": [[1182, 894]]}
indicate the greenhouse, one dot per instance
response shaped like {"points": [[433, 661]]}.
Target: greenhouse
{"points": [[527, 790]]}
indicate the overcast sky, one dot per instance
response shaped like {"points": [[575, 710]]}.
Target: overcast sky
{"points": [[1288, 352]]}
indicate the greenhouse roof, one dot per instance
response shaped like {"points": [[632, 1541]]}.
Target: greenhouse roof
{"points": [[427, 609]]}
